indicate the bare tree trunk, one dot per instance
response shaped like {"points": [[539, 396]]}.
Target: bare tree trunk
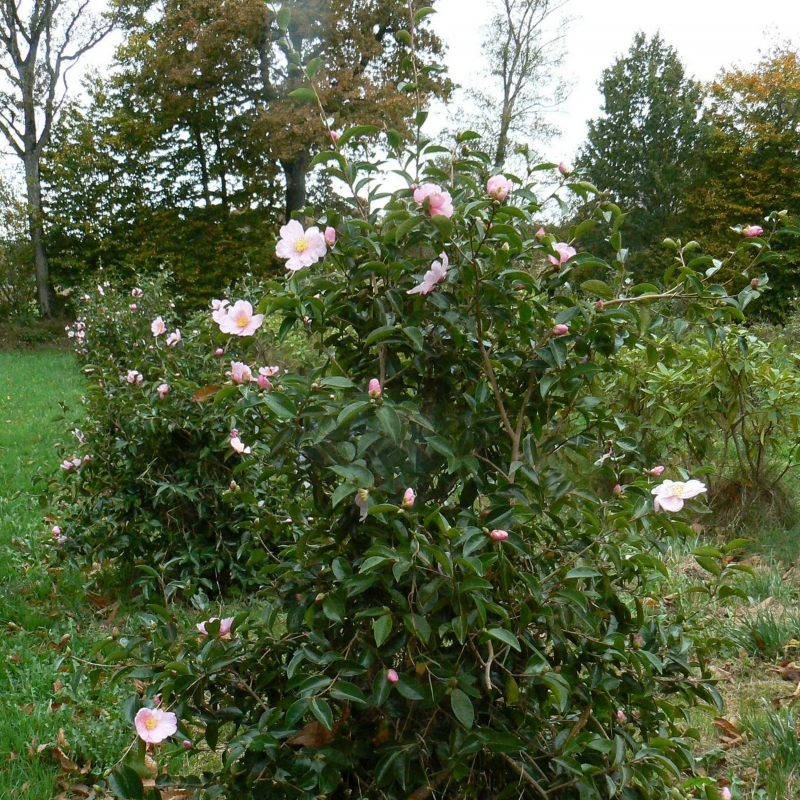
{"points": [[33, 187], [295, 172]]}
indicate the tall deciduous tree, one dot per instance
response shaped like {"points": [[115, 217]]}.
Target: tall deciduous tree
{"points": [[642, 148], [39, 41], [524, 47], [750, 165], [216, 75]]}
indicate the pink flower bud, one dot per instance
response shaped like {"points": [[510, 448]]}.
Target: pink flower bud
{"points": [[187, 745], [330, 236], [132, 306], [498, 187], [540, 233], [656, 471], [563, 168], [263, 382], [621, 717], [617, 490], [335, 136], [599, 305], [752, 230], [560, 329], [374, 389], [498, 535], [56, 530], [409, 497], [755, 282], [219, 351], [392, 676], [725, 793]]}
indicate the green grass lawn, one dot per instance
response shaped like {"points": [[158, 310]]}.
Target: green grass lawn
{"points": [[44, 616]]}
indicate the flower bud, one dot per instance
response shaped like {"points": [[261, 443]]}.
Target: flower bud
{"points": [[540, 233], [219, 351], [409, 497], [560, 329], [374, 389], [621, 717], [563, 168], [392, 676], [618, 490], [754, 283], [498, 535], [330, 236], [656, 471], [599, 305]]}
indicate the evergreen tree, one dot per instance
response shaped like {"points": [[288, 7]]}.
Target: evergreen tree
{"points": [[642, 148]]}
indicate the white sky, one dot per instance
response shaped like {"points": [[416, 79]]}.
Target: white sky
{"points": [[708, 35]]}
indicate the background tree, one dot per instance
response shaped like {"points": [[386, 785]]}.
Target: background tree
{"points": [[524, 47], [39, 42], [749, 166], [642, 148]]}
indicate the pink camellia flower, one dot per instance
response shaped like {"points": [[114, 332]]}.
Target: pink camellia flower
{"points": [[374, 389], [219, 310], [498, 187], [656, 471], [561, 329], [239, 446], [300, 248], [56, 530], [224, 626], [77, 462], [134, 376], [499, 535], [133, 306], [263, 381], [67, 465], [563, 168], [725, 793], [565, 253], [361, 500], [409, 498], [174, 338], [158, 327], [269, 372], [154, 725], [240, 320], [752, 230], [436, 274], [136, 293], [392, 676], [439, 202], [163, 390], [671, 494], [330, 236], [240, 372], [541, 233], [334, 136]]}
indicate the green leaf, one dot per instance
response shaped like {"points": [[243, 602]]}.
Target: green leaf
{"points": [[404, 37], [356, 131], [583, 572], [501, 634], [337, 382], [381, 628], [415, 335], [304, 95], [322, 711], [710, 565], [462, 708], [284, 17], [125, 783], [390, 422], [278, 405], [342, 491], [351, 411], [313, 67], [343, 690], [600, 288]]}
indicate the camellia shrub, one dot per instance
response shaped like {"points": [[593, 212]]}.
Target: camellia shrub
{"points": [[455, 538], [147, 476]]}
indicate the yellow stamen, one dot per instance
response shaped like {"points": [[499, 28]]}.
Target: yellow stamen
{"points": [[151, 723], [301, 245], [242, 320]]}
